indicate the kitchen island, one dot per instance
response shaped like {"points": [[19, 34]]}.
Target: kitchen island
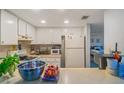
{"points": [[73, 76]]}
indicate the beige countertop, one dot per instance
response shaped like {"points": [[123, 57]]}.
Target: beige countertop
{"points": [[46, 56], [73, 76]]}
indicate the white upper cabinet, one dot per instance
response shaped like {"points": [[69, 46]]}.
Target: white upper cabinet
{"points": [[8, 30], [26, 31], [31, 32], [56, 36], [48, 36], [22, 28], [42, 36]]}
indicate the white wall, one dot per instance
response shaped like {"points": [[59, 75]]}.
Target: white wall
{"points": [[97, 32], [113, 30]]}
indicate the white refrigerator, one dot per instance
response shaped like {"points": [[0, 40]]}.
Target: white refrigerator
{"points": [[74, 51]]}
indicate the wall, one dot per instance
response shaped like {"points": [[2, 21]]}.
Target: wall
{"points": [[97, 32], [113, 30]]}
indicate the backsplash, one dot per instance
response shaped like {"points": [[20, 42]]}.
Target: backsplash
{"points": [[27, 46], [44, 48], [3, 50]]}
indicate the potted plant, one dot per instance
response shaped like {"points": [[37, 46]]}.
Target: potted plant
{"points": [[8, 65]]}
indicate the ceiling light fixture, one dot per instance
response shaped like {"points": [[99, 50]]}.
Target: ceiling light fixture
{"points": [[66, 21], [10, 22], [43, 21]]}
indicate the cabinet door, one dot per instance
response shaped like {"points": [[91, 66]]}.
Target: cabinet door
{"points": [[8, 29], [49, 36], [43, 36], [31, 33], [56, 36], [22, 28]]}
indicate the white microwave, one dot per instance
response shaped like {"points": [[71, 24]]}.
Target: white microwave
{"points": [[55, 51]]}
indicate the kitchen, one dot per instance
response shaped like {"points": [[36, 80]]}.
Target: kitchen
{"points": [[56, 37]]}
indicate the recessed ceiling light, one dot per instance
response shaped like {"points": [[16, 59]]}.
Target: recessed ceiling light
{"points": [[10, 22], [66, 21], [43, 21]]}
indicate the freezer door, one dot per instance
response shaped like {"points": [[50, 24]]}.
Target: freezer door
{"points": [[74, 41], [74, 58]]}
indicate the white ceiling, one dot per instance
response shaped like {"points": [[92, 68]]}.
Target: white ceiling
{"points": [[56, 17]]}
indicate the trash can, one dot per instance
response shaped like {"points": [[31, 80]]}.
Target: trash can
{"points": [[121, 70], [112, 66]]}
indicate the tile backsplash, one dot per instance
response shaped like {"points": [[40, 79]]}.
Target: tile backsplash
{"points": [[3, 50], [27, 46], [44, 48]]}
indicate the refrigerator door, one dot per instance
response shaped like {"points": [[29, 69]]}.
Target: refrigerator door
{"points": [[74, 58], [74, 41]]}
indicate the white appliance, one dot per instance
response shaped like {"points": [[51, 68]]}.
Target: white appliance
{"points": [[55, 51], [73, 51]]}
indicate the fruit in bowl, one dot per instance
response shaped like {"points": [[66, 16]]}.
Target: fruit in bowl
{"points": [[51, 73]]}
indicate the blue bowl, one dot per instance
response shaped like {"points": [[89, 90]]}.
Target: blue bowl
{"points": [[31, 70]]}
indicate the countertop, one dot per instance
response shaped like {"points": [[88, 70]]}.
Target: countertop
{"points": [[47, 56], [73, 76]]}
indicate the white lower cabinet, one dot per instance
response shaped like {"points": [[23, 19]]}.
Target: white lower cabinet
{"points": [[53, 61]]}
